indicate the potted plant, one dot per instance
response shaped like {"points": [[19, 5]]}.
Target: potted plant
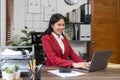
{"points": [[9, 73], [24, 41], [17, 72], [4, 73]]}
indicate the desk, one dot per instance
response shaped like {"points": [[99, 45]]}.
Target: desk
{"points": [[112, 72]]}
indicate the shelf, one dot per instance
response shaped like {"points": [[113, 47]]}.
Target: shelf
{"points": [[80, 32], [77, 23], [22, 57], [78, 41], [12, 55]]}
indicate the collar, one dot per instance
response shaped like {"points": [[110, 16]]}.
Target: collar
{"points": [[56, 36]]}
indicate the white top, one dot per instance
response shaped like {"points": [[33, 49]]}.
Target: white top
{"points": [[59, 40]]}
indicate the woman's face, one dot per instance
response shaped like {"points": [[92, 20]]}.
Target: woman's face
{"points": [[59, 27]]}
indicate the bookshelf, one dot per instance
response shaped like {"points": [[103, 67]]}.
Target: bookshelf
{"points": [[80, 20], [81, 32], [81, 29]]}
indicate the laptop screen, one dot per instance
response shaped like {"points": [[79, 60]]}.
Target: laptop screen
{"points": [[100, 60]]}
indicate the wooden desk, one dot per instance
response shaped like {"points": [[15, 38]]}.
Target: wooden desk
{"points": [[112, 72]]}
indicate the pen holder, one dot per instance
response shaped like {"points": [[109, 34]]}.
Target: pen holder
{"points": [[34, 75]]}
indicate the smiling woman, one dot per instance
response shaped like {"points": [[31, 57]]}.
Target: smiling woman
{"points": [[57, 48], [71, 2]]}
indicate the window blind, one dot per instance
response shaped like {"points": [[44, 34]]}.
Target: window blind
{"points": [[9, 13]]}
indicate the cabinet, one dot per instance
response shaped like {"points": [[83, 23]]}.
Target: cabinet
{"points": [[106, 27]]}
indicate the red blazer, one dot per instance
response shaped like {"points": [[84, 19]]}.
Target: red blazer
{"points": [[54, 52]]}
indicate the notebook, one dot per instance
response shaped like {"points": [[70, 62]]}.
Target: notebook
{"points": [[99, 61]]}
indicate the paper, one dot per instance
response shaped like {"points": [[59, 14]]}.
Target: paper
{"points": [[34, 6], [72, 74], [49, 11], [11, 52]]}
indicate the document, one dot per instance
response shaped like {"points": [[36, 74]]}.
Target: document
{"points": [[65, 75], [11, 52]]}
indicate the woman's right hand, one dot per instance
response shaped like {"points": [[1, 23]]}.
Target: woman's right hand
{"points": [[83, 65]]}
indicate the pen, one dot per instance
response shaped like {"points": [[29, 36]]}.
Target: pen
{"points": [[34, 64], [39, 67], [31, 65]]}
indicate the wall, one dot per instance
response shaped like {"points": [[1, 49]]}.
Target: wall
{"points": [[2, 22], [36, 21], [22, 18]]}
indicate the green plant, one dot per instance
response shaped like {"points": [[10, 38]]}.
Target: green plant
{"points": [[9, 70], [4, 68], [16, 67], [68, 27], [24, 41]]}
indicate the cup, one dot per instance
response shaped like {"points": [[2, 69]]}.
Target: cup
{"points": [[9, 76], [17, 75], [34, 74], [3, 75]]}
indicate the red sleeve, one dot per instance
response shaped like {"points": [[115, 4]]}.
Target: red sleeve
{"points": [[51, 54], [73, 56]]}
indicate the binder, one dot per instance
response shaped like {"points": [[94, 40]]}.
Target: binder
{"points": [[86, 13], [85, 32]]}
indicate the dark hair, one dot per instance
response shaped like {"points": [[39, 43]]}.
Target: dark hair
{"points": [[54, 18]]}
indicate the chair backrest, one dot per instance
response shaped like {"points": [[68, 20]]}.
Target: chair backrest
{"points": [[36, 37]]}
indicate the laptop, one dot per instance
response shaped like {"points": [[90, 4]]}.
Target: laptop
{"points": [[99, 61]]}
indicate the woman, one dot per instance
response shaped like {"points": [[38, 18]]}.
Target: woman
{"points": [[57, 48]]}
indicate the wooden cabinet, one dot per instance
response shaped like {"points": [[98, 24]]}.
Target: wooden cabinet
{"points": [[106, 27]]}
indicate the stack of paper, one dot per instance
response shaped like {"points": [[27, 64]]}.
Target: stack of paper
{"points": [[72, 74], [11, 52]]}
